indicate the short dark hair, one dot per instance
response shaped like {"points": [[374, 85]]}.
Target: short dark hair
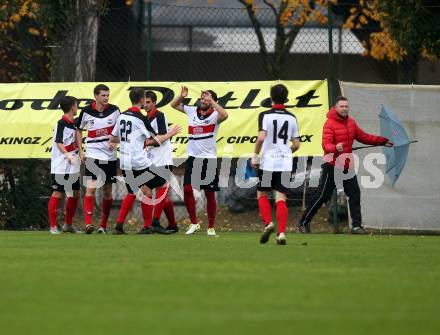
{"points": [[67, 102], [136, 94], [279, 93], [341, 98], [99, 88], [151, 95], [213, 95]]}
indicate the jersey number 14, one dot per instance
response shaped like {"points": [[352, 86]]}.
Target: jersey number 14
{"points": [[282, 134]]}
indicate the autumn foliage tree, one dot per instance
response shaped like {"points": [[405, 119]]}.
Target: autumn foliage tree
{"points": [[22, 55], [398, 31], [49, 39], [400, 28]]}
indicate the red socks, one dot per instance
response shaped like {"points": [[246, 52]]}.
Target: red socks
{"points": [[89, 203], [52, 211], [282, 214], [147, 210], [211, 207], [126, 206], [265, 209], [190, 202], [169, 212], [146, 206], [161, 197], [106, 207], [71, 205]]}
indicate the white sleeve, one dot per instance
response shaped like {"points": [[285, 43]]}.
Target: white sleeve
{"points": [[115, 131], [264, 124], [295, 130]]}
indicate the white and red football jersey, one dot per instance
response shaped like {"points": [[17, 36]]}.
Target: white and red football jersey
{"points": [[280, 127], [99, 127], [160, 155], [202, 133], [133, 128], [64, 133]]}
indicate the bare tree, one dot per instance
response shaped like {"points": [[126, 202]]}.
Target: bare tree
{"points": [[289, 17]]}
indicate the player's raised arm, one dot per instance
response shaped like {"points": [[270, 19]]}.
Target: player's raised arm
{"points": [[222, 114], [177, 102]]}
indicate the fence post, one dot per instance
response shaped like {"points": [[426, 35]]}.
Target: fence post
{"points": [[149, 41], [331, 95], [331, 56]]}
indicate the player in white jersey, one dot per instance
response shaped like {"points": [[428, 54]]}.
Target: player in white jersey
{"points": [[201, 165], [133, 131], [278, 138], [162, 159], [64, 167], [98, 118]]}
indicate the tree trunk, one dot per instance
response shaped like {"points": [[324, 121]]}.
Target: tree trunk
{"points": [[75, 55]]}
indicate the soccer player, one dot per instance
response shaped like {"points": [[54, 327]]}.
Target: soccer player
{"points": [[98, 118], [132, 129], [161, 157], [64, 167], [201, 165], [278, 138]]}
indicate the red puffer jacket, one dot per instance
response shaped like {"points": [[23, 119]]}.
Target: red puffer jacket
{"points": [[344, 130]]}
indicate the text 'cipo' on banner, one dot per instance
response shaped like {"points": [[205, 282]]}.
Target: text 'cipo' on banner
{"points": [[29, 112]]}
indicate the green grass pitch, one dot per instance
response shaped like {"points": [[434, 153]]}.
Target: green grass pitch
{"points": [[317, 284]]}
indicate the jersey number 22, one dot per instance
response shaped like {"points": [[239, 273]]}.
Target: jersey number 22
{"points": [[125, 129]]}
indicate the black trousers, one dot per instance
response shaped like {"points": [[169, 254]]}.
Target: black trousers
{"points": [[324, 192]]}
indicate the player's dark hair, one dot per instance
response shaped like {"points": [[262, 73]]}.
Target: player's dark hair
{"points": [[341, 98], [279, 93], [99, 88], [151, 95], [213, 95], [67, 102], [136, 94]]}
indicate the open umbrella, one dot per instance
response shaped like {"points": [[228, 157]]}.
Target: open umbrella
{"points": [[392, 128]]}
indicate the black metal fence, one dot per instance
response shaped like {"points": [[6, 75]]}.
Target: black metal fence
{"points": [[218, 41], [187, 43]]}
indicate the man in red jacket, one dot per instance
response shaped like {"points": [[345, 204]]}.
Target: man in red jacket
{"points": [[338, 134]]}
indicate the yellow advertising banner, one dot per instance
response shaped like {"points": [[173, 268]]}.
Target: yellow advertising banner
{"points": [[29, 112]]}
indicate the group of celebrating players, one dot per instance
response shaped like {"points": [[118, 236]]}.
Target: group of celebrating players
{"points": [[143, 136]]}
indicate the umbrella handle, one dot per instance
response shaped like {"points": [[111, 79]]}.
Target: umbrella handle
{"points": [[371, 146], [366, 146]]}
